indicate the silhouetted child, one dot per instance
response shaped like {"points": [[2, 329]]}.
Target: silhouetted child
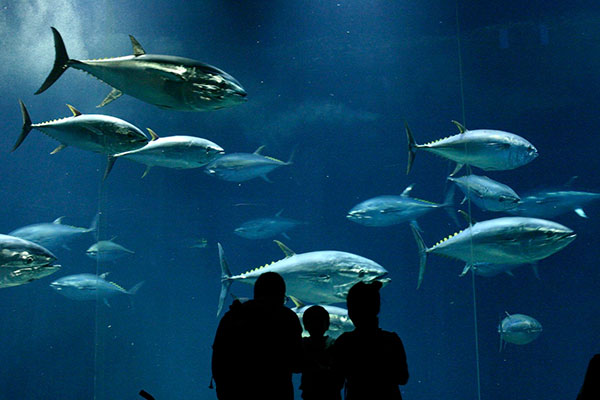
{"points": [[319, 381], [371, 360], [590, 389]]}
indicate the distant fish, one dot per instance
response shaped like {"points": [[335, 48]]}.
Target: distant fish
{"points": [[90, 287], [15, 276], [16, 253], [93, 132], [53, 235], [180, 152], [490, 150], [199, 243], [551, 203], [487, 193], [507, 240], [339, 322], [168, 82], [392, 210], [262, 228], [518, 329], [239, 167], [107, 250], [322, 277]]}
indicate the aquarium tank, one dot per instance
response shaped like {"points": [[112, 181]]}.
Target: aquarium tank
{"points": [[452, 143]]}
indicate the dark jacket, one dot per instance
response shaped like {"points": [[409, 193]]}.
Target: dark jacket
{"points": [[373, 363], [319, 380], [257, 347]]}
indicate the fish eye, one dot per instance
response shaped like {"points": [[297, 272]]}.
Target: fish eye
{"points": [[28, 260]]}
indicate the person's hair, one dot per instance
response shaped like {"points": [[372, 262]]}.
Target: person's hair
{"points": [[271, 286], [363, 299], [316, 320]]}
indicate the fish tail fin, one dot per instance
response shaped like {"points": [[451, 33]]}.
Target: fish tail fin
{"points": [[449, 205], [135, 288], [412, 145], [291, 159], [422, 253], [26, 128], [225, 281], [61, 62]]}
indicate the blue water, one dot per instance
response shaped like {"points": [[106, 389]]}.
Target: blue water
{"points": [[336, 81]]}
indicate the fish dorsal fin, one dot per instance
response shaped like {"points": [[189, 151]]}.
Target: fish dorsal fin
{"points": [[257, 151], [138, 50], [571, 180], [75, 111], [406, 192], [286, 250], [279, 213], [460, 126], [112, 238], [58, 220], [104, 275], [296, 301], [153, 134], [507, 314]]}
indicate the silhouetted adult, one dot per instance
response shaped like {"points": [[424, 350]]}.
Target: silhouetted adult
{"points": [[319, 380], [258, 345], [590, 389], [372, 361]]}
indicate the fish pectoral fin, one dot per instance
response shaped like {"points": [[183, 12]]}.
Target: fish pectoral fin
{"points": [[146, 171], [138, 50], [59, 148], [580, 212], [266, 179], [510, 273], [466, 269], [113, 95], [106, 302]]}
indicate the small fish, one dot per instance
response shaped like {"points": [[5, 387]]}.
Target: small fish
{"points": [[262, 228], [339, 322], [518, 329], [506, 240], [90, 287], [487, 193], [93, 132], [16, 253], [490, 150], [489, 270], [169, 82], [199, 243], [180, 152], [551, 203], [239, 167], [53, 235], [15, 276], [322, 277], [393, 210], [107, 250]]}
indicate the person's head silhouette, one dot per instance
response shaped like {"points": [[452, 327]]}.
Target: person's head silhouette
{"points": [[316, 321], [363, 304], [270, 288]]}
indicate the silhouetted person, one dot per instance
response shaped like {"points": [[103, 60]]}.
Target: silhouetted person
{"points": [[319, 381], [371, 360], [590, 390], [258, 345]]}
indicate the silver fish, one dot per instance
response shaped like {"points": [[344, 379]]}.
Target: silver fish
{"points": [[262, 228], [490, 150], [393, 210], [168, 82], [487, 193], [90, 287], [15, 276], [239, 167], [180, 152], [107, 250], [551, 203], [518, 329], [53, 235], [16, 253], [507, 240], [339, 322], [317, 277], [93, 132]]}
